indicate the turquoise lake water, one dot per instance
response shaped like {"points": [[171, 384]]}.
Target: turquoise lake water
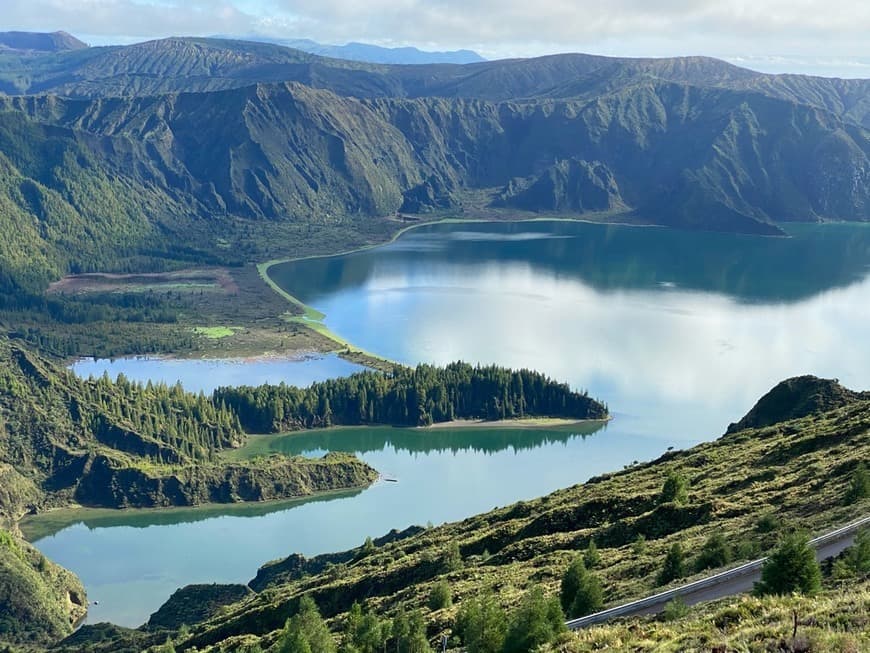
{"points": [[679, 332]]}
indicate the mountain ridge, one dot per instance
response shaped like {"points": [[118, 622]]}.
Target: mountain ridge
{"points": [[672, 154], [175, 141], [161, 66], [366, 52], [41, 41]]}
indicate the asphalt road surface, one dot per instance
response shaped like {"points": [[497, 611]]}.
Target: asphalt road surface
{"points": [[727, 583]]}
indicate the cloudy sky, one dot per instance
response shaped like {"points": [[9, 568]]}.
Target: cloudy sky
{"points": [[818, 36]]}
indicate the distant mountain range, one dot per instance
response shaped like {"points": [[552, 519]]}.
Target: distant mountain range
{"points": [[368, 52], [40, 42], [147, 140]]}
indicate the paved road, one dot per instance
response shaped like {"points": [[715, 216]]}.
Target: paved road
{"points": [[727, 583]]}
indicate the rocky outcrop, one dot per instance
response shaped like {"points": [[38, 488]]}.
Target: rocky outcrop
{"points": [[570, 185], [196, 603], [797, 397]]}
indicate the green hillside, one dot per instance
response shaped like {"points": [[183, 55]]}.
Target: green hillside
{"points": [[112, 184], [189, 152], [41, 601], [116, 444], [750, 486], [65, 441]]}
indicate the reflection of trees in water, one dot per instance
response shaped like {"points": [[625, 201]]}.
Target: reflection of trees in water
{"points": [[608, 258], [105, 518], [434, 440], [359, 440]]}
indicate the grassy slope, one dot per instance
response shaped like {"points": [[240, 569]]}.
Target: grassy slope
{"points": [[837, 620], [797, 471], [41, 601]]}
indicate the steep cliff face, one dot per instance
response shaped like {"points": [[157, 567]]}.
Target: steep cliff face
{"points": [[677, 155], [568, 186]]}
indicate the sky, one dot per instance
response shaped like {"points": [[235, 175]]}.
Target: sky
{"points": [[827, 37]]}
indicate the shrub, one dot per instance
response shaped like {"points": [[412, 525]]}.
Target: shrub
{"points": [[440, 597], [714, 553], [591, 557], [639, 545], [675, 609], [675, 489], [859, 485], [855, 561]]}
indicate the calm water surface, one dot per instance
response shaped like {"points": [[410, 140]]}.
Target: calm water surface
{"points": [[204, 375], [679, 332]]}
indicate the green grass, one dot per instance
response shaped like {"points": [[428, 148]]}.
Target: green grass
{"points": [[838, 620], [312, 319], [215, 332], [795, 473]]}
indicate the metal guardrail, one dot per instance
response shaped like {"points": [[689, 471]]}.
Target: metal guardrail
{"points": [[710, 581]]}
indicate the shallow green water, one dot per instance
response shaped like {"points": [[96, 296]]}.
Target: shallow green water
{"points": [[679, 332]]}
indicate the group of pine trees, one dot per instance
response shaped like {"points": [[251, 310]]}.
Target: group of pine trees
{"points": [[48, 414], [191, 425], [408, 397], [167, 425]]}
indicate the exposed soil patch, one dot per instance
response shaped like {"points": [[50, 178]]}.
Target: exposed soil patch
{"points": [[196, 279]]}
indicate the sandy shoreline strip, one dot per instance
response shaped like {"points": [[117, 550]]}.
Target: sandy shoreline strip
{"points": [[520, 423]]}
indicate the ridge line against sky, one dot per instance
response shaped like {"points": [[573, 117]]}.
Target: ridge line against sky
{"points": [[803, 36]]}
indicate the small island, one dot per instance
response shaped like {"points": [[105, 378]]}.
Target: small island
{"points": [[421, 396]]}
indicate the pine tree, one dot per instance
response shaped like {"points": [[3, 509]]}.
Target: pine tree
{"points": [[440, 597], [674, 566], [791, 568], [481, 625], [581, 592], [306, 631], [536, 621], [409, 633], [591, 558]]}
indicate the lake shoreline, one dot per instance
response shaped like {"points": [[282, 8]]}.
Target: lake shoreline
{"points": [[515, 423], [35, 527], [311, 318]]}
